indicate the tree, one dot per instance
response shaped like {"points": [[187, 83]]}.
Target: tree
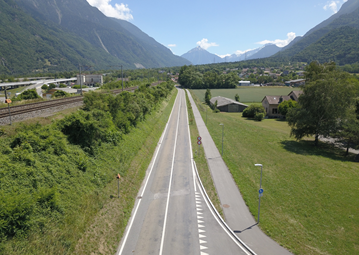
{"points": [[349, 128], [236, 97], [44, 87], [252, 110], [51, 86], [207, 97], [324, 103], [285, 106]]}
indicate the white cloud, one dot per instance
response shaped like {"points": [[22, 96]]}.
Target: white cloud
{"points": [[119, 11], [204, 44], [333, 5], [279, 42], [171, 45]]}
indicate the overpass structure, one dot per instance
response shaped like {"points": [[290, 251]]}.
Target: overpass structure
{"points": [[34, 84]]}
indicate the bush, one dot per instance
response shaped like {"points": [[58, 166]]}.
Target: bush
{"points": [[51, 86], [60, 93], [251, 111], [27, 94], [62, 85], [259, 116], [79, 87], [285, 106], [44, 87], [89, 129]]}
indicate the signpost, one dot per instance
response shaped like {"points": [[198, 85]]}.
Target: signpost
{"points": [[199, 142], [260, 191], [118, 184]]}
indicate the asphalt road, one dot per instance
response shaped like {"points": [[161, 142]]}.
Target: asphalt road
{"points": [[171, 215]]}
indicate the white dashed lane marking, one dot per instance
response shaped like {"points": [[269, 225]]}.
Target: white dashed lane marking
{"points": [[201, 226]]}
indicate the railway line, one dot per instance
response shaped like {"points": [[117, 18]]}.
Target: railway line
{"points": [[32, 107]]}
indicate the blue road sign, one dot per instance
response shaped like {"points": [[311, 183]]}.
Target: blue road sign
{"points": [[260, 191]]}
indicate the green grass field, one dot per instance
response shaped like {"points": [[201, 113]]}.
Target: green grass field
{"points": [[310, 203], [246, 94]]}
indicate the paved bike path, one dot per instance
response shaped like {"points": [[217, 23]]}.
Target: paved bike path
{"points": [[236, 212]]}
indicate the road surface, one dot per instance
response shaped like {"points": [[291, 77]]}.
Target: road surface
{"points": [[171, 215]]}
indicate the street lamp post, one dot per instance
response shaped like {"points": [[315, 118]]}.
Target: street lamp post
{"points": [[222, 136], [206, 116], [260, 190]]}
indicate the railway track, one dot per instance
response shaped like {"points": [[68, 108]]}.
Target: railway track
{"points": [[27, 108]]}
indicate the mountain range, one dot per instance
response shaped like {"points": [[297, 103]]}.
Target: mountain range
{"points": [[335, 39], [200, 56], [58, 35]]}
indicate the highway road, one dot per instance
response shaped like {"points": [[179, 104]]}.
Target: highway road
{"points": [[171, 214]]}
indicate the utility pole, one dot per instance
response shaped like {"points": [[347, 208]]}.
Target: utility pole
{"points": [[8, 101], [80, 80], [122, 78]]}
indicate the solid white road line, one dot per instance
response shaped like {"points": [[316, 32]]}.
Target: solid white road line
{"points": [[148, 177], [190, 148], [170, 182]]}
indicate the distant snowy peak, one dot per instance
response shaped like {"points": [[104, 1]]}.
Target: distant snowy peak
{"points": [[200, 56]]}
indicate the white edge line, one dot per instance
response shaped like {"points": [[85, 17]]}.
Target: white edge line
{"points": [[190, 148], [219, 219], [217, 216], [148, 177], [170, 182]]}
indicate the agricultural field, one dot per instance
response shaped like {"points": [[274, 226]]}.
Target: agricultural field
{"points": [[246, 94], [310, 204]]}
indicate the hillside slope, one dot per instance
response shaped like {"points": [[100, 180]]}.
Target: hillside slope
{"points": [[347, 16], [27, 45], [339, 45], [59, 35]]}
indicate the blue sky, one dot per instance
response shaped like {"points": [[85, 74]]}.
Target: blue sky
{"points": [[221, 27]]}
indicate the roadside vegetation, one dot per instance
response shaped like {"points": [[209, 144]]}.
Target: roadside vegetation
{"points": [[201, 162], [308, 204], [56, 178]]}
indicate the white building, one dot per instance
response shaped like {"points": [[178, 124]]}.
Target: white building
{"points": [[89, 79], [244, 83]]}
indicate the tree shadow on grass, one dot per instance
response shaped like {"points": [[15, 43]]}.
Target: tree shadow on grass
{"points": [[323, 150]]}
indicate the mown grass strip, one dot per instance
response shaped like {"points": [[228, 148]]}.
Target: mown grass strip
{"points": [[201, 162], [309, 204]]}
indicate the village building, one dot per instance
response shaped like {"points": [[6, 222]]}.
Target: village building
{"points": [[271, 103], [295, 83], [228, 105], [89, 80], [244, 83], [294, 95]]}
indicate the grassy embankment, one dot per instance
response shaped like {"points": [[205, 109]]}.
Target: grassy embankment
{"points": [[246, 94], [310, 203], [201, 162], [104, 233], [61, 205]]}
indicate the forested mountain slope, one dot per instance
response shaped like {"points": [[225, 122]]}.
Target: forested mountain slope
{"points": [[59, 35]]}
